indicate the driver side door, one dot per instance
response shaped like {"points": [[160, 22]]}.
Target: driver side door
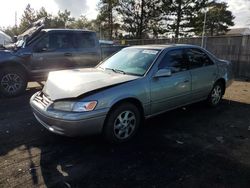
{"points": [[168, 92], [50, 54]]}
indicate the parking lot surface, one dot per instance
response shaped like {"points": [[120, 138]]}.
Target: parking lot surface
{"points": [[195, 146]]}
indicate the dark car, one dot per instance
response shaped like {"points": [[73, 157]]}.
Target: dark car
{"points": [[39, 51]]}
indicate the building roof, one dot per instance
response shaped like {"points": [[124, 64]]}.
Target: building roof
{"points": [[239, 31]]}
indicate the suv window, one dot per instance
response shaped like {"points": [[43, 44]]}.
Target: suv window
{"points": [[60, 41], [42, 45], [84, 40], [197, 58], [54, 41], [174, 60]]}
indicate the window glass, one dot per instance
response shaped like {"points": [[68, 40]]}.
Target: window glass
{"points": [[198, 58], [60, 41], [84, 40], [43, 44], [54, 41], [174, 60], [131, 60]]}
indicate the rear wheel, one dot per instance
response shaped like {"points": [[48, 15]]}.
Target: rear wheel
{"points": [[216, 94], [122, 123], [13, 82]]}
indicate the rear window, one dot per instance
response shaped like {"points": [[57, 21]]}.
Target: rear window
{"points": [[84, 40], [198, 58]]}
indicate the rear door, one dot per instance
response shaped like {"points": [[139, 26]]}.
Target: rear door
{"points": [[86, 49], [172, 91], [203, 71]]}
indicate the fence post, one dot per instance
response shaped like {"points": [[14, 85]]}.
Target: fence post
{"points": [[238, 59]]}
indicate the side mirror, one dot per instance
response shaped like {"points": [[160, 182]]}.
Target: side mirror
{"points": [[163, 73]]}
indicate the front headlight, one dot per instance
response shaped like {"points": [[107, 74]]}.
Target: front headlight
{"points": [[75, 106]]}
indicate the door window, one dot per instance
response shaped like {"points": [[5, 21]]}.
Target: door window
{"points": [[197, 58], [174, 60], [54, 41], [42, 45], [84, 40], [60, 41]]}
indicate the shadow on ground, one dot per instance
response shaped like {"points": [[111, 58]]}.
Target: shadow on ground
{"points": [[193, 146]]}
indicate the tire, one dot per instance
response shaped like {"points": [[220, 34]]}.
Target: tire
{"points": [[13, 82], [122, 123], [216, 95]]}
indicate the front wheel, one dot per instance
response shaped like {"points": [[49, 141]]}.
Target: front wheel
{"points": [[13, 82], [122, 123], [216, 94]]}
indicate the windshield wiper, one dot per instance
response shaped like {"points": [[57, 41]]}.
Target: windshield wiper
{"points": [[116, 70]]}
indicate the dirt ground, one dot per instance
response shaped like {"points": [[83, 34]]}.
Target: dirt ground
{"points": [[193, 146]]}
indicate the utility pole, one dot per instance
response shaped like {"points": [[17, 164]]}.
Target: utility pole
{"points": [[204, 29], [141, 19], [110, 9], [15, 19], [179, 13]]}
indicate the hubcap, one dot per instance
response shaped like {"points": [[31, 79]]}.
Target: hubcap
{"points": [[11, 82], [216, 94], [124, 124]]}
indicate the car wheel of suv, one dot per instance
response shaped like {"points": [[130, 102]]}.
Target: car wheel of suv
{"points": [[13, 82], [122, 123], [216, 94]]}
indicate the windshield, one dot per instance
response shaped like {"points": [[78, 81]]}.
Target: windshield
{"points": [[134, 61]]}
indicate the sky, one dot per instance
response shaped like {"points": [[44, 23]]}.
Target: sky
{"points": [[240, 9]]}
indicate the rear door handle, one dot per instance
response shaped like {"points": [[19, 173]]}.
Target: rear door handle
{"points": [[68, 54], [185, 81]]}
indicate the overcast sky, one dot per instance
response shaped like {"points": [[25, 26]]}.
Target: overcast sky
{"points": [[240, 9]]}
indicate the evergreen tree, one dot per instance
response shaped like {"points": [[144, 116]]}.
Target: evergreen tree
{"points": [[80, 23], [219, 18], [106, 16], [140, 18], [62, 20], [179, 15], [28, 17]]}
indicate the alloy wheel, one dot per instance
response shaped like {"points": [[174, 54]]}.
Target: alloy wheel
{"points": [[11, 83], [216, 94], [124, 124]]}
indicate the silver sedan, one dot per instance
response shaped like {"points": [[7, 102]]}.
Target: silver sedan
{"points": [[134, 84]]}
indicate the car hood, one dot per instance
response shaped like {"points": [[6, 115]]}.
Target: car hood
{"points": [[5, 55], [73, 83]]}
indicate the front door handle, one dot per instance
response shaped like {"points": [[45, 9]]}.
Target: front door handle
{"points": [[68, 54], [185, 81]]}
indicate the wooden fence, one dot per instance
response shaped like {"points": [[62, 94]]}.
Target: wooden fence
{"points": [[233, 48]]}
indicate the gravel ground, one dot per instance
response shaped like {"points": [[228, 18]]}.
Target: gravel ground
{"points": [[195, 146]]}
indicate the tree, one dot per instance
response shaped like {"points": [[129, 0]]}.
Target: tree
{"points": [[140, 17], [62, 20], [28, 17], [106, 16], [42, 13], [11, 31], [218, 19], [180, 13], [80, 23]]}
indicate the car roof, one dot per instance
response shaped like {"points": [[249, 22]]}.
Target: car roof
{"points": [[164, 46], [66, 30]]}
